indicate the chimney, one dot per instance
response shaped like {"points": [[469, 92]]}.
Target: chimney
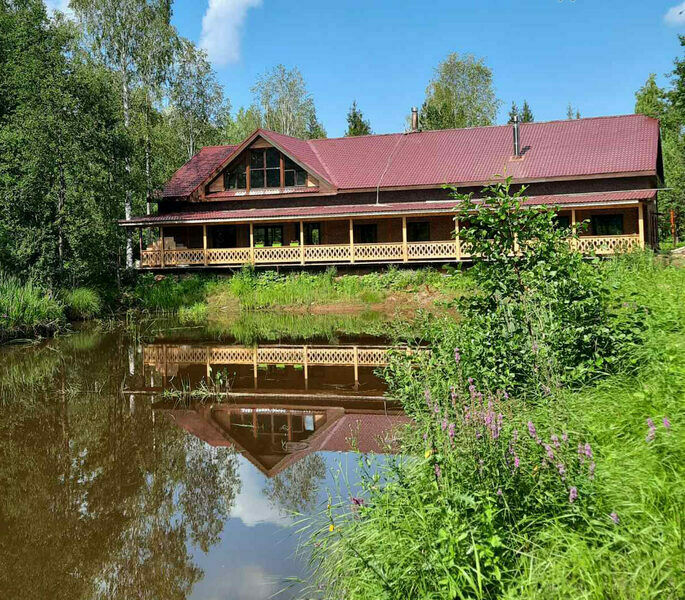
{"points": [[414, 119], [517, 140]]}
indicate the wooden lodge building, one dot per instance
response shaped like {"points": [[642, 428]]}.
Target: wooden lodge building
{"points": [[276, 200]]}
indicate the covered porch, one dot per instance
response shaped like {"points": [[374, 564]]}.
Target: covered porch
{"points": [[410, 238]]}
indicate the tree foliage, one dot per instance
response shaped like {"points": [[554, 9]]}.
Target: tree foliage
{"points": [[356, 124], [461, 94], [285, 103], [668, 105]]}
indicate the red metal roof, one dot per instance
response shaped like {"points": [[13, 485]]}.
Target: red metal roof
{"points": [[399, 208], [554, 149], [196, 170]]}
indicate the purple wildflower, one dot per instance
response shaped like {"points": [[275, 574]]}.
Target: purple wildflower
{"points": [[555, 441], [564, 437], [444, 424], [357, 501], [550, 452], [591, 470], [450, 431], [534, 347], [457, 356], [581, 453], [425, 436], [572, 495], [614, 517], [651, 434], [562, 470], [531, 430], [438, 472], [667, 423], [588, 450], [517, 462], [499, 491], [506, 396]]}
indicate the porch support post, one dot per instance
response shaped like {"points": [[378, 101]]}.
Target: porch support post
{"points": [[351, 241], [573, 226], [204, 243], [161, 246], [301, 242], [457, 241], [252, 243], [641, 224], [140, 243], [405, 250]]}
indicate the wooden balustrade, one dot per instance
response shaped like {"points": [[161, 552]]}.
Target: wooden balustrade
{"points": [[363, 356], [445, 250]]}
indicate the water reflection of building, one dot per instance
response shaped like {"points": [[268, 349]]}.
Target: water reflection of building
{"points": [[274, 436], [272, 369], [284, 402]]}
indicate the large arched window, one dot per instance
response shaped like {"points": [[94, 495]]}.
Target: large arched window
{"points": [[267, 168]]}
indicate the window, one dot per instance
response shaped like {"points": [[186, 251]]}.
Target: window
{"points": [[265, 171], [312, 233], [562, 221], [607, 224], [294, 175], [268, 235], [265, 168], [366, 234], [236, 178], [418, 232]]}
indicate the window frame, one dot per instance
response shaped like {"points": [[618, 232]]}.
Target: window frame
{"points": [[287, 173], [268, 240], [412, 230], [595, 225]]}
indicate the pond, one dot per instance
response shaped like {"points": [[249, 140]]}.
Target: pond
{"points": [[165, 462]]}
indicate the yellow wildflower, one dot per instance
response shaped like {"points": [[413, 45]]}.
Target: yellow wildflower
{"points": [[429, 452], [331, 527]]}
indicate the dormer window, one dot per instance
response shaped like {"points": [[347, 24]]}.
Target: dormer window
{"points": [[264, 168]]}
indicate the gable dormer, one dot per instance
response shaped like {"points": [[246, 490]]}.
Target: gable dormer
{"points": [[260, 168]]}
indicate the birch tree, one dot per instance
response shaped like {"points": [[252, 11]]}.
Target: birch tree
{"points": [[286, 105], [118, 31], [196, 97], [461, 94]]}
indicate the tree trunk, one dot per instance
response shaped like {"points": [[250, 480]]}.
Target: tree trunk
{"points": [[127, 201], [148, 151]]}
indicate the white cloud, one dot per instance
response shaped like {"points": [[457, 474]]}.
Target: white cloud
{"points": [[676, 15], [251, 506], [221, 29]]}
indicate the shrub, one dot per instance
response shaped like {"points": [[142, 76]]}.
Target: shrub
{"points": [[26, 309], [82, 303]]}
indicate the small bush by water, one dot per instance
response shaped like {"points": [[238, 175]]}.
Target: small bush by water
{"points": [[82, 303], [26, 310]]}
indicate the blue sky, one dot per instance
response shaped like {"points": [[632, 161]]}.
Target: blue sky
{"points": [[592, 53]]}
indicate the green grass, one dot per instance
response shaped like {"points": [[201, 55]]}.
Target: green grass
{"points": [[82, 303], [250, 290], [26, 310], [170, 293], [195, 314], [415, 539]]}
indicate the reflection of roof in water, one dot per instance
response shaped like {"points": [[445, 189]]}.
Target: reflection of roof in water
{"points": [[255, 432]]}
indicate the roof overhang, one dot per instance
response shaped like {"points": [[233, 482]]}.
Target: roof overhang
{"points": [[395, 209]]}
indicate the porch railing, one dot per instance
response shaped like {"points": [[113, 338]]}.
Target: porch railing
{"points": [[447, 250]]}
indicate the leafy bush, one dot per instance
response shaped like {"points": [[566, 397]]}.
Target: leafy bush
{"points": [[26, 309], [82, 303]]}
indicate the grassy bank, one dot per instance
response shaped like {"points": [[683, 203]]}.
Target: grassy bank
{"points": [[576, 494], [327, 291], [29, 311]]}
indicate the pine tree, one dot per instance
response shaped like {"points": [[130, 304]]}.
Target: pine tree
{"points": [[526, 113], [356, 124], [513, 112]]}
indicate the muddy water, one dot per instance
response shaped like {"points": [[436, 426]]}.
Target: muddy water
{"points": [[167, 463]]}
